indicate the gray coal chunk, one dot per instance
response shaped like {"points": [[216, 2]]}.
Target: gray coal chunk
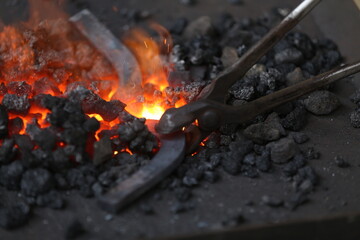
{"points": [[102, 151], [294, 77], [321, 102], [229, 56], [36, 181], [267, 131], [16, 104], [200, 26], [355, 119], [282, 150], [289, 55], [262, 133], [299, 137]]}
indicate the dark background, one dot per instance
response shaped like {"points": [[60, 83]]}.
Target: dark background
{"points": [[332, 135]]}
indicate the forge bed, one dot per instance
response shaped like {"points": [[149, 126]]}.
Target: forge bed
{"points": [[338, 194]]}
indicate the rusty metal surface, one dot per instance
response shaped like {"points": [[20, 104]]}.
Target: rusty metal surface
{"points": [[331, 135]]}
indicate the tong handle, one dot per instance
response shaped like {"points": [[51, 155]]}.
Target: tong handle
{"points": [[217, 90]]}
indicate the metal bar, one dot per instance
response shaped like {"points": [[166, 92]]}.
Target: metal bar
{"points": [[218, 88], [106, 43], [168, 158]]}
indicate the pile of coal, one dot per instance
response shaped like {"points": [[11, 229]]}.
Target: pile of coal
{"points": [[202, 49], [42, 162]]}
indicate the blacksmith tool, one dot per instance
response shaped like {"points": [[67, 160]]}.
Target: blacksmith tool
{"points": [[210, 111]]}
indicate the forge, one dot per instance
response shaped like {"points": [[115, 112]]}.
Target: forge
{"points": [[179, 119]]}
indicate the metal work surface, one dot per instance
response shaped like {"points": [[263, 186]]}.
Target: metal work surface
{"points": [[332, 135]]}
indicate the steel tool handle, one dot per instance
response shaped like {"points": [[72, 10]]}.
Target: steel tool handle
{"points": [[217, 90]]}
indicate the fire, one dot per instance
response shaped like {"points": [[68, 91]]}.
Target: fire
{"points": [[50, 57]]}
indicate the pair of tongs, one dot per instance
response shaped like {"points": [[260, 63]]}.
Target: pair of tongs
{"points": [[210, 110]]}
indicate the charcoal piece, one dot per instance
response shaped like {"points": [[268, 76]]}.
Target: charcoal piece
{"points": [[178, 26], [75, 178], [52, 199], [14, 216], [91, 125], [321, 102], [355, 118], [262, 133], [7, 151], [355, 97], [299, 137], [50, 102], [294, 77], [200, 26], [46, 139], [182, 194], [244, 93], [10, 175], [249, 159], [303, 43], [45, 86], [124, 116], [224, 23], [272, 201], [236, 37], [340, 162], [178, 78], [215, 159], [97, 189], [16, 104], [19, 88], [225, 140], [4, 122], [74, 136], [231, 165], [282, 150], [102, 151], [295, 120], [190, 181], [328, 60], [249, 171], [74, 230], [59, 160], [291, 168], [289, 55], [15, 126], [60, 182], [308, 173], [263, 162], [36, 181], [24, 142], [57, 117]]}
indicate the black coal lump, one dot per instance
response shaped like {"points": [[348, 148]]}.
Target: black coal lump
{"points": [[291, 168], [295, 120], [16, 104], [14, 216], [36, 181], [7, 151], [10, 175], [4, 120]]}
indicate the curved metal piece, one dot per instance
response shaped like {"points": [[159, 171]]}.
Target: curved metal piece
{"points": [[168, 158], [106, 43]]}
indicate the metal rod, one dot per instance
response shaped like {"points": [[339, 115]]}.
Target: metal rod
{"points": [[250, 110], [106, 43], [218, 88]]}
